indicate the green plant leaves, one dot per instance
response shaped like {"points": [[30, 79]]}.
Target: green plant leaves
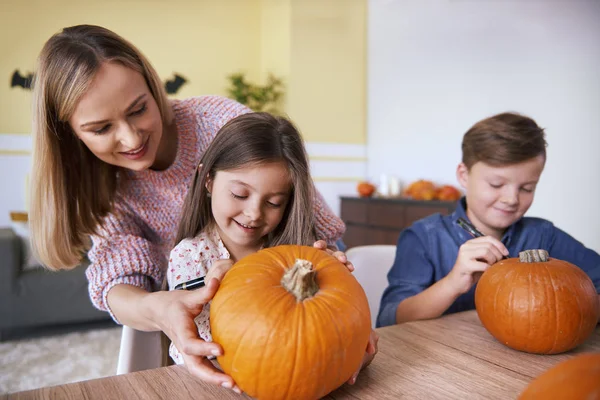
{"points": [[258, 98]]}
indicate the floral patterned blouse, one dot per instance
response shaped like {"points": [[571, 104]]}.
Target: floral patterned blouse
{"points": [[190, 259]]}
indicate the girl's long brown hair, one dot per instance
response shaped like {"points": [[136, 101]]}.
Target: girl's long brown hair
{"points": [[252, 139], [71, 189]]}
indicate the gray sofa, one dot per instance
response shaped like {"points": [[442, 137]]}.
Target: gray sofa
{"points": [[37, 298]]}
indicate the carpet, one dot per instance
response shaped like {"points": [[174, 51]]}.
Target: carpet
{"points": [[48, 361]]}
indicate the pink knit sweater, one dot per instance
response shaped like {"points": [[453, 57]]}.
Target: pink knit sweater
{"points": [[134, 243]]}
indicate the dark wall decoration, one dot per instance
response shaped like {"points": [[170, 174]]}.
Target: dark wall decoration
{"points": [[172, 86], [20, 80]]}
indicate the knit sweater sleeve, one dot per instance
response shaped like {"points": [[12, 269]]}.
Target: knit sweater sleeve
{"points": [[329, 227], [213, 112], [120, 254], [226, 110]]}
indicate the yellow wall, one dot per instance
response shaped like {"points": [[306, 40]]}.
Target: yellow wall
{"points": [[203, 40], [318, 47], [327, 97], [275, 38]]}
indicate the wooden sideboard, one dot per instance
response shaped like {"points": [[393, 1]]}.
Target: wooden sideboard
{"points": [[380, 220]]}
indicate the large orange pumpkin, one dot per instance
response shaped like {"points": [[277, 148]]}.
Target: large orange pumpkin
{"points": [[294, 323], [537, 304], [575, 379]]}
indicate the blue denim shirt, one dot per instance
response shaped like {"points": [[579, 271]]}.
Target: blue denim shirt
{"points": [[427, 251]]}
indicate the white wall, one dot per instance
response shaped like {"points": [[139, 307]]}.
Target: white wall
{"points": [[435, 67], [15, 166]]}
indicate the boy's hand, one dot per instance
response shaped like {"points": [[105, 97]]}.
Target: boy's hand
{"points": [[369, 355], [474, 257], [340, 255], [218, 270]]}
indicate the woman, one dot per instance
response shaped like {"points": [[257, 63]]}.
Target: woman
{"points": [[113, 159]]}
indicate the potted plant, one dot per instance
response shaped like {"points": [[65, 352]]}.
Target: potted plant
{"points": [[265, 97]]}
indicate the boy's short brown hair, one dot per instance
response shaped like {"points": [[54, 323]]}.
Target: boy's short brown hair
{"points": [[504, 139]]}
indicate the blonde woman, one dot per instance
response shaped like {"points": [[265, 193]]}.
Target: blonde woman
{"points": [[113, 160]]}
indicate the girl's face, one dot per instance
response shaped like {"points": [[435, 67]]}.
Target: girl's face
{"points": [[118, 118], [497, 197], [248, 203]]}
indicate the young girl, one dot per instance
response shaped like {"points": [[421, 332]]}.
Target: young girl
{"points": [[438, 264], [252, 190]]}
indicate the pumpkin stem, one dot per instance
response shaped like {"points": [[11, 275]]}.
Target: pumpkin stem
{"points": [[530, 256], [300, 280]]}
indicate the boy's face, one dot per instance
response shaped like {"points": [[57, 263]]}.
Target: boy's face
{"points": [[498, 196]]}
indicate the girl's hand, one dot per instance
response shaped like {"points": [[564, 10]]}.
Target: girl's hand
{"points": [[369, 355], [340, 255], [218, 270], [474, 257], [176, 311]]}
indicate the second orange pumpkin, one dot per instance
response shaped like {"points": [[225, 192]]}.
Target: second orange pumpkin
{"points": [[537, 304], [575, 379]]}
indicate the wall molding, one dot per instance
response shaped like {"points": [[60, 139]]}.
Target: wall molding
{"points": [[338, 178], [18, 153], [336, 168], [338, 158]]}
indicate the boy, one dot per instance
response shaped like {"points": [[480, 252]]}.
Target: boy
{"points": [[438, 263]]}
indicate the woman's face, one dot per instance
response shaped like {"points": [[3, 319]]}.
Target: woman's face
{"points": [[118, 118]]}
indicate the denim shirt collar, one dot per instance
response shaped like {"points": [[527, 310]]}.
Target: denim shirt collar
{"points": [[461, 212]]}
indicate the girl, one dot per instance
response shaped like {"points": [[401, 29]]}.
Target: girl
{"points": [[252, 190], [113, 159]]}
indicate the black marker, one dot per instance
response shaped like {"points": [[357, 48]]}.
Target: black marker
{"points": [[463, 223], [191, 285], [469, 228]]}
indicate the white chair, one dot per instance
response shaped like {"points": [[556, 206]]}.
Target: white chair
{"points": [[139, 351], [372, 264]]}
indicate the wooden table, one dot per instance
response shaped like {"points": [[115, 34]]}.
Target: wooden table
{"points": [[452, 357]]}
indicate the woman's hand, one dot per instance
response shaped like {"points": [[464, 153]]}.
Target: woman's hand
{"points": [[474, 257], [340, 255], [369, 355], [176, 311]]}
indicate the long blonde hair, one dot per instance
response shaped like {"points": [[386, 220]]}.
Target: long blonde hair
{"points": [[252, 139], [71, 189]]}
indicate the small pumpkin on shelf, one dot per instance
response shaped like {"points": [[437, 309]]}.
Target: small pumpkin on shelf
{"points": [[424, 189], [447, 193], [293, 322], [537, 304], [421, 190], [575, 379], [365, 189]]}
